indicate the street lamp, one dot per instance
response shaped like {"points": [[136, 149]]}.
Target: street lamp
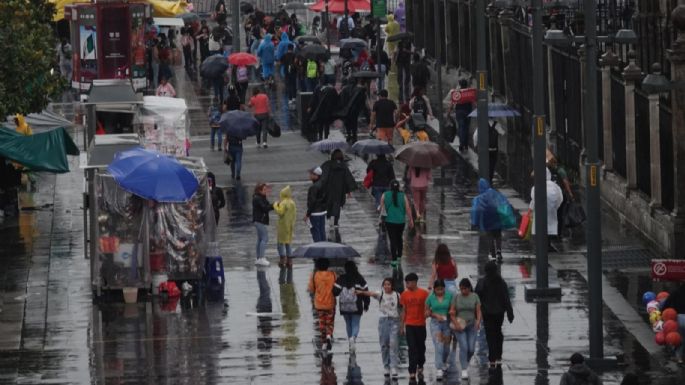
{"points": [[482, 93]]}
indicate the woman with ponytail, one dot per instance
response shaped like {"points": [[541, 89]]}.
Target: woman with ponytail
{"points": [[396, 206]]}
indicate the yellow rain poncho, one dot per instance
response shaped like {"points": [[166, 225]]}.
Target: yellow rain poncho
{"points": [[287, 213], [392, 28], [22, 127]]}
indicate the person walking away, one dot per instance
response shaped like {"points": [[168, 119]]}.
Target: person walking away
{"points": [[187, 46], [437, 309], [265, 52], [384, 68], [419, 179], [352, 306], [322, 109], [579, 373], [289, 73], [420, 104], [444, 268], [383, 117], [383, 174], [462, 107], [227, 40], [203, 40], [420, 74], [353, 99], [287, 212], [345, 26], [486, 214], [397, 209], [218, 199], [493, 293], [261, 110], [554, 199], [242, 80], [676, 300], [321, 285], [560, 177], [465, 315], [281, 50], [233, 102], [214, 115], [338, 182], [234, 146], [388, 325], [329, 67], [403, 118], [403, 65], [165, 88], [413, 323], [260, 216], [312, 75], [316, 206], [392, 28]]}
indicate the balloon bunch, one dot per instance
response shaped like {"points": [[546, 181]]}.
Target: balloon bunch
{"points": [[664, 323]]}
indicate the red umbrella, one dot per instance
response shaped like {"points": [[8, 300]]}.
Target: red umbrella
{"points": [[242, 59], [338, 6]]}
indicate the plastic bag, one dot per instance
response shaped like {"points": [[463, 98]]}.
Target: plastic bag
{"points": [[228, 159], [525, 226], [368, 180], [170, 288], [506, 216]]}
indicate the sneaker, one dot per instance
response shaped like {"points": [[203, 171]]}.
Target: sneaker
{"points": [[438, 374], [464, 374], [264, 145], [387, 372], [394, 373], [329, 344], [499, 256], [261, 262]]}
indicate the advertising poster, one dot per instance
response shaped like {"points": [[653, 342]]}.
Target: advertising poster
{"points": [[88, 40], [115, 37]]}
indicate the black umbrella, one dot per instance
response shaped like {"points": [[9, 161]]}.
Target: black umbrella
{"points": [[399, 36], [239, 124], [353, 43], [366, 75], [372, 146], [325, 250], [315, 52], [214, 66], [308, 39]]}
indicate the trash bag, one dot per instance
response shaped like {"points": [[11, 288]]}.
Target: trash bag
{"points": [[575, 215]]}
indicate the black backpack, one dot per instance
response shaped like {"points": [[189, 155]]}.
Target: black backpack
{"points": [[344, 28], [420, 106]]}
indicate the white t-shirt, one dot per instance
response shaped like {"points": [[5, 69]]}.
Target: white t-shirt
{"points": [[389, 304]]}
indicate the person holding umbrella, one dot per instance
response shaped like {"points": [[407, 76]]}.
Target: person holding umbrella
{"points": [[259, 102], [338, 182], [396, 206], [260, 217], [419, 180]]}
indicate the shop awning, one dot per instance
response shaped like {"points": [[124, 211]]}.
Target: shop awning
{"points": [[41, 121], [160, 8], [45, 151]]}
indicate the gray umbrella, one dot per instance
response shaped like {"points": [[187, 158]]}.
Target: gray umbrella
{"points": [[189, 17], [353, 43], [372, 146], [325, 250], [308, 39], [315, 52], [293, 5]]}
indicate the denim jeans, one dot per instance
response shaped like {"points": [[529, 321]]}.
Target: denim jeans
{"points": [[262, 238], [467, 345], [462, 119], [352, 324], [284, 250], [318, 228], [451, 286], [310, 84], [215, 131], [389, 337], [236, 152], [440, 329], [262, 134], [377, 192]]}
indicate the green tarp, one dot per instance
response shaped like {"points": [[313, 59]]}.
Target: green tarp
{"points": [[45, 151]]}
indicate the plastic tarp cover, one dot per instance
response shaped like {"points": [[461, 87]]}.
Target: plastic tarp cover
{"points": [[121, 253], [45, 151], [164, 125]]}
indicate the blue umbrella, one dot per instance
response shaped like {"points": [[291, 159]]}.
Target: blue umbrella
{"points": [[327, 145], [325, 250], [239, 124], [497, 110], [372, 146], [153, 176]]}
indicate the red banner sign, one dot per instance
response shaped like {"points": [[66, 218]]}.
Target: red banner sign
{"points": [[467, 95], [668, 269]]}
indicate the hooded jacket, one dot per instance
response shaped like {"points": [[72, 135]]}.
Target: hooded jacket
{"points": [[338, 181], [493, 293], [392, 28], [484, 208], [579, 374], [283, 46], [266, 50], [554, 199], [287, 212]]}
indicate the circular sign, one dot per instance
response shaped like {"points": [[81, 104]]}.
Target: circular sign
{"points": [[659, 268], [456, 96]]}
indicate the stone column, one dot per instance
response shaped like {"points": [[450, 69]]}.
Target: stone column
{"points": [[608, 60], [677, 58], [505, 18], [631, 74]]}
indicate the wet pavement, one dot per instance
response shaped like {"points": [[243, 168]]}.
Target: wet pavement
{"points": [[51, 330]]}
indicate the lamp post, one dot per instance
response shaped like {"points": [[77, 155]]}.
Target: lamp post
{"points": [[482, 94]]}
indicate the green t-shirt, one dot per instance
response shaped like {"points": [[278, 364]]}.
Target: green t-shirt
{"points": [[466, 306], [394, 214], [438, 307]]}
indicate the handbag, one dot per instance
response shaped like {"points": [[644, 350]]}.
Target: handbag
{"points": [[457, 324], [273, 128], [525, 226], [228, 159], [368, 180]]}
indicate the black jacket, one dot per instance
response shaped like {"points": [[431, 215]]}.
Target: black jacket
{"points": [[260, 209], [359, 283], [420, 74], [218, 200], [494, 296], [579, 374], [383, 173], [316, 198]]}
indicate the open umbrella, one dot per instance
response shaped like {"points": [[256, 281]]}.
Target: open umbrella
{"points": [[497, 110], [308, 39], [423, 155], [152, 175], [214, 66], [325, 250], [372, 146], [314, 52], [328, 145], [293, 6], [239, 124], [242, 59], [353, 43], [189, 17], [399, 36], [366, 75]]}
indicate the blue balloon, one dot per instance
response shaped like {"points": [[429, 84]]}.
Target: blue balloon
{"points": [[648, 297]]}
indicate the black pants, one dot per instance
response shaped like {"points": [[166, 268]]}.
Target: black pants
{"points": [[416, 343], [403, 81], [351, 124], [323, 130], [395, 232], [493, 162], [495, 242], [493, 334]]}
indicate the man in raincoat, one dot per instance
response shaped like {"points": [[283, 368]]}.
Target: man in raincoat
{"points": [[491, 213], [287, 212], [266, 54]]}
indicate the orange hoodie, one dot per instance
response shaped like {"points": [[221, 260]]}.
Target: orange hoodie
{"points": [[321, 284]]}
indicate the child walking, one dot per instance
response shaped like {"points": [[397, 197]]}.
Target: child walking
{"points": [[321, 285]]}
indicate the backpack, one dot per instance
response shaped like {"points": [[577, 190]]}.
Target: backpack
{"points": [[241, 74], [214, 116], [312, 69], [344, 27], [348, 300], [420, 106]]}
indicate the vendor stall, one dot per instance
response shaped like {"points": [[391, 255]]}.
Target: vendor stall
{"points": [[164, 125]]}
